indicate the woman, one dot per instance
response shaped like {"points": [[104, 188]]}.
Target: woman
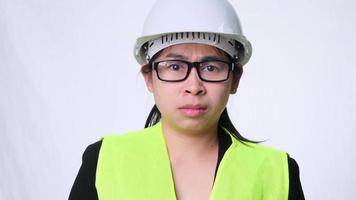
{"points": [[189, 149]]}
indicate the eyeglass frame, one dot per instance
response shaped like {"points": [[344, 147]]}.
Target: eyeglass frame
{"points": [[196, 65]]}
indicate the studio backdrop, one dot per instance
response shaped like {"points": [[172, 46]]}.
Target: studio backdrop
{"points": [[68, 77]]}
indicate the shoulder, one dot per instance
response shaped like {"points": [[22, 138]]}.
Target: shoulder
{"points": [[293, 166], [260, 151], [138, 137], [131, 135], [129, 144], [269, 162], [92, 151]]}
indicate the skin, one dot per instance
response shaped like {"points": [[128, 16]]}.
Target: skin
{"points": [[191, 139]]}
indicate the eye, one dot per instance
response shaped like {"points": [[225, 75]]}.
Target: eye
{"points": [[172, 66], [175, 66], [211, 68], [215, 67]]}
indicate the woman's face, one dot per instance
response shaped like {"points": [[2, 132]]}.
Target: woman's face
{"points": [[191, 105]]}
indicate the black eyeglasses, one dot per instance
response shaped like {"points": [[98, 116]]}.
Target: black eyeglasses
{"points": [[179, 70]]}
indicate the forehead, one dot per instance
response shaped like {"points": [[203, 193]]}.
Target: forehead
{"points": [[192, 51]]}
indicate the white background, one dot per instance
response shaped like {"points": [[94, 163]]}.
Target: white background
{"points": [[68, 76]]}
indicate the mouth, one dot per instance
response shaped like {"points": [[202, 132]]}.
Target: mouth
{"points": [[193, 110]]}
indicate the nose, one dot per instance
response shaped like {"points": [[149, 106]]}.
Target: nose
{"points": [[194, 85]]}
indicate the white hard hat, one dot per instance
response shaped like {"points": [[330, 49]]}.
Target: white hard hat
{"points": [[168, 18]]}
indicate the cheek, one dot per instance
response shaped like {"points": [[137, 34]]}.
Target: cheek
{"points": [[164, 93], [162, 88], [220, 94]]}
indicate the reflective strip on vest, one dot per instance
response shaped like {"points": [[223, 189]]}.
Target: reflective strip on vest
{"points": [[136, 166]]}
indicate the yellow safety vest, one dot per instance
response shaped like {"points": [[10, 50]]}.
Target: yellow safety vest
{"points": [[136, 166]]}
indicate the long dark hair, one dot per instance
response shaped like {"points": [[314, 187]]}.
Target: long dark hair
{"points": [[224, 121]]}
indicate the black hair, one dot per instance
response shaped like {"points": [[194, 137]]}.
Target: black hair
{"points": [[224, 120]]}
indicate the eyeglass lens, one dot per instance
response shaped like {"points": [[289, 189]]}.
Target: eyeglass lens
{"points": [[176, 70]]}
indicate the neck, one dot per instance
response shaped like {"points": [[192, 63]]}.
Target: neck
{"points": [[189, 144]]}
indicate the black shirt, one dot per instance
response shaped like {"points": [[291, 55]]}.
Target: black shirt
{"points": [[84, 185]]}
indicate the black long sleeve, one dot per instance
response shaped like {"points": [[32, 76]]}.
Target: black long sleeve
{"points": [[84, 185], [295, 187]]}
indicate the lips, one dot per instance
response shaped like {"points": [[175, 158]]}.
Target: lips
{"points": [[191, 110]]}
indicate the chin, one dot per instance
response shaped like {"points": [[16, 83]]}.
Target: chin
{"points": [[194, 125]]}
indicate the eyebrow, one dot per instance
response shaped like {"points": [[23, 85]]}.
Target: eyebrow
{"points": [[175, 55], [208, 58], [205, 58]]}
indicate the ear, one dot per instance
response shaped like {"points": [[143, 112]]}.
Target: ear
{"points": [[148, 80], [236, 76]]}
